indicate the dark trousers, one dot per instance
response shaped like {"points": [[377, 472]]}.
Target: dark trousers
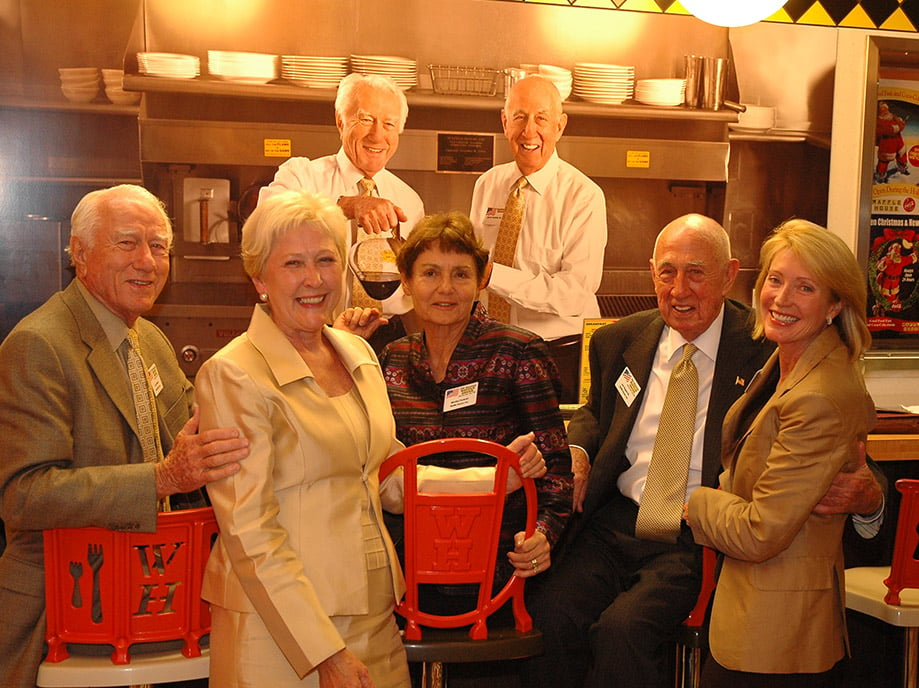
{"points": [[608, 609]]}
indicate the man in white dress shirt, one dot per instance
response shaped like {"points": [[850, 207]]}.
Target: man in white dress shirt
{"points": [[558, 261], [370, 113]]}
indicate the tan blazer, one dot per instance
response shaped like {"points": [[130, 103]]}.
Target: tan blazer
{"points": [[780, 602], [290, 545], [69, 452]]}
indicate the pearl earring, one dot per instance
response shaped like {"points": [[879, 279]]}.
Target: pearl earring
{"points": [[263, 296], [829, 320]]}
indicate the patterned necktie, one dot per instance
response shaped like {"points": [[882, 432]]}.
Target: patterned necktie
{"points": [[506, 244], [144, 401], [359, 297], [661, 508]]}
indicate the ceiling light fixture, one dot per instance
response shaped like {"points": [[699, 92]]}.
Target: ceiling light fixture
{"points": [[733, 12]]}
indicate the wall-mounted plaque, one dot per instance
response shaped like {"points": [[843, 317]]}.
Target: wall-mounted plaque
{"points": [[465, 152]]}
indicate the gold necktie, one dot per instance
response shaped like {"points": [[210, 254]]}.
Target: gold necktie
{"points": [[359, 297], [661, 508], [144, 401], [506, 244]]}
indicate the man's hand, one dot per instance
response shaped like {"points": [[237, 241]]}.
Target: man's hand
{"points": [[199, 458], [855, 492], [360, 321], [580, 466], [374, 214]]}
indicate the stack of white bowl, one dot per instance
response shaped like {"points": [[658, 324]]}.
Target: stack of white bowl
{"points": [[755, 119], [666, 92], [247, 68], [114, 88], [559, 76], [79, 84]]}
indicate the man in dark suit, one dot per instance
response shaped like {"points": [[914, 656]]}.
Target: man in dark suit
{"points": [[612, 600], [70, 448]]}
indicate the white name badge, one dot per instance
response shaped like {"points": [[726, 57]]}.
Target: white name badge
{"points": [[155, 382], [461, 397], [492, 217], [628, 387]]}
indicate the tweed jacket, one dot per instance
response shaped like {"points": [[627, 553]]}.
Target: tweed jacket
{"points": [[780, 602], [69, 449], [290, 545], [603, 425]]}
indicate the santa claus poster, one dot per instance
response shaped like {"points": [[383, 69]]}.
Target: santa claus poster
{"points": [[893, 259]]}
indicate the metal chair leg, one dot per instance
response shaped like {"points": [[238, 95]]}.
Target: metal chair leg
{"points": [[433, 675], [911, 658]]}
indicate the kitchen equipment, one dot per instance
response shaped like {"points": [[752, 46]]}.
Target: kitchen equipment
{"points": [[693, 65], [661, 92], [207, 210], [402, 70], [511, 76], [561, 77], [755, 119], [373, 262], [714, 78], [468, 81]]}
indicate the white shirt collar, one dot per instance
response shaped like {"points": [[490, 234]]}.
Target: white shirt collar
{"points": [[707, 342]]}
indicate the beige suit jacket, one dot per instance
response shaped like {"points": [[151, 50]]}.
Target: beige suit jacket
{"points": [[780, 602], [290, 545]]}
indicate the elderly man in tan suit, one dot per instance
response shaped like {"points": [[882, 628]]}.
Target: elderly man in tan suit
{"points": [[70, 447]]}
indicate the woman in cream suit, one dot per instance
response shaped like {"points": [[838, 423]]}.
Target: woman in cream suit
{"points": [[778, 617], [304, 577]]}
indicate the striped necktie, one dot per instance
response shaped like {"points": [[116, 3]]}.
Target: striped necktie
{"points": [[661, 508], [144, 401], [359, 297], [506, 244]]}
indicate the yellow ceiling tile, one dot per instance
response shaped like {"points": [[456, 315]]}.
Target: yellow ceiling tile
{"points": [[898, 21], [816, 16], [857, 19]]}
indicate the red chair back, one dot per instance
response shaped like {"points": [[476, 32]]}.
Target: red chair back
{"points": [[107, 587], [452, 539], [697, 616], [904, 569]]}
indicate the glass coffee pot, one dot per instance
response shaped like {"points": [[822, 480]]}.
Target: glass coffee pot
{"points": [[373, 262]]}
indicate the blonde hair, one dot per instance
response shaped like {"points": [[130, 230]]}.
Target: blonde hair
{"points": [[278, 214], [833, 266]]}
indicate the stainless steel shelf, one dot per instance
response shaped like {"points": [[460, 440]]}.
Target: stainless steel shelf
{"points": [[281, 90], [95, 108]]}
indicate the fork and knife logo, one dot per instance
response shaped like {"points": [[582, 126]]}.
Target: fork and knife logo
{"points": [[95, 560]]}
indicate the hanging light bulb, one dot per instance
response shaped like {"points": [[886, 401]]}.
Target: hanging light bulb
{"points": [[732, 12]]}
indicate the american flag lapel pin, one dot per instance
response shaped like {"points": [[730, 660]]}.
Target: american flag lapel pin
{"points": [[740, 381]]}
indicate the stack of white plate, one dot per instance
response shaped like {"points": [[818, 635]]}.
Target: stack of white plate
{"points": [[400, 69], [247, 68], [603, 83], [172, 65], [79, 84], [559, 76], [667, 92], [314, 72], [114, 88]]}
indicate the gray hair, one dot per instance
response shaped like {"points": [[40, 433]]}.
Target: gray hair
{"points": [[88, 216], [278, 214], [351, 85]]}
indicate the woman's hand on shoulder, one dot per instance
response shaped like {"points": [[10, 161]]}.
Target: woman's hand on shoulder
{"points": [[344, 670], [360, 321]]}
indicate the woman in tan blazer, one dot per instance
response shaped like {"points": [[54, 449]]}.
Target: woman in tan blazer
{"points": [[778, 617], [303, 578]]}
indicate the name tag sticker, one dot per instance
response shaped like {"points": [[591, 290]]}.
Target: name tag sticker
{"points": [[627, 386], [461, 397], [493, 217], [155, 382]]}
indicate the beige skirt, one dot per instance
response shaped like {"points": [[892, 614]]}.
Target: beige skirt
{"points": [[247, 656]]}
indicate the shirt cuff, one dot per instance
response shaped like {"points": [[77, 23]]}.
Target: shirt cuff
{"points": [[869, 526]]}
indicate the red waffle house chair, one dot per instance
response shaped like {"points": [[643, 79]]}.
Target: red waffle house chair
{"points": [[452, 539], [889, 593], [692, 636], [124, 592]]}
